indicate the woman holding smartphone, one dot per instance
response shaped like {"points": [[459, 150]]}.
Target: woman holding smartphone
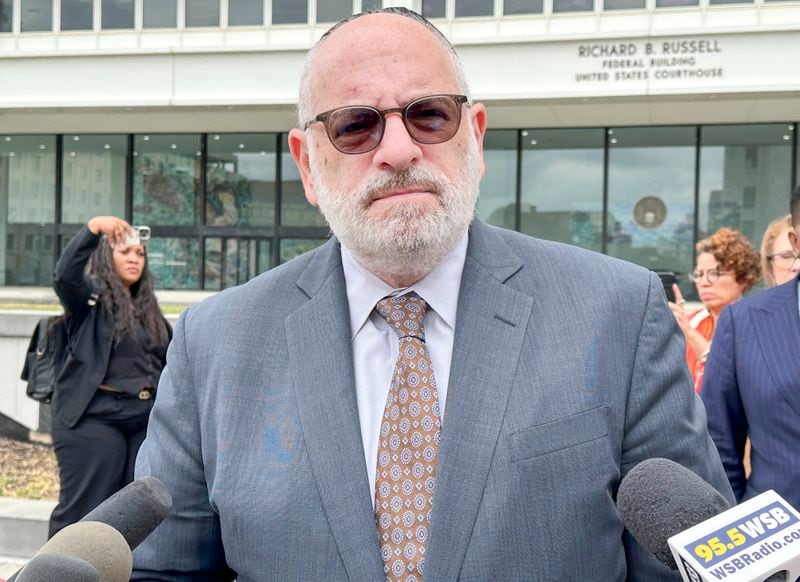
{"points": [[117, 348], [727, 267]]}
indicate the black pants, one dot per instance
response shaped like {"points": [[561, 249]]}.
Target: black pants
{"points": [[96, 458]]}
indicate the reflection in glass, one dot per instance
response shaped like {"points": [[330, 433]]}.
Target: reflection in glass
{"points": [[745, 177], [651, 197], [242, 260], [433, 8], [333, 10], [202, 12], [93, 176], [295, 209], [522, 7], [371, 5], [240, 174], [623, 4], [37, 15], [27, 209], [497, 202], [166, 178], [116, 14], [174, 262], [6, 15], [160, 14], [562, 185], [76, 14], [289, 12], [573, 5], [474, 7], [244, 12], [294, 247], [730, 1]]}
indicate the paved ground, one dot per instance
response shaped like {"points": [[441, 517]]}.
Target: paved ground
{"points": [[9, 565]]}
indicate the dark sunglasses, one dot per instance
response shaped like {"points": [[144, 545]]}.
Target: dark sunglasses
{"points": [[357, 129]]}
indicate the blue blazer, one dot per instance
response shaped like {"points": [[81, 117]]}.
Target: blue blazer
{"points": [[752, 387], [568, 369]]}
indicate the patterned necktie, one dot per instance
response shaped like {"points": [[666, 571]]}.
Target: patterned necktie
{"points": [[408, 445]]}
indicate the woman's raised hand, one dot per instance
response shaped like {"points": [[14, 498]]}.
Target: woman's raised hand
{"points": [[116, 229]]}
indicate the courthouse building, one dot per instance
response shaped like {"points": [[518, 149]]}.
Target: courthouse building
{"points": [[630, 127]]}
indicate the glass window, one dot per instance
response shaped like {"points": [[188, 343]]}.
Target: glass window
{"points": [[242, 260], [333, 10], [240, 175], [623, 4], [160, 14], [433, 8], [244, 12], [37, 15], [562, 185], [497, 202], [730, 1], [174, 262], [93, 179], [651, 197], [745, 177], [202, 12], [166, 177], [116, 14], [522, 7], [295, 209], [6, 15], [573, 5], [27, 209], [474, 7], [294, 247], [289, 12], [371, 5], [671, 3], [76, 14]]}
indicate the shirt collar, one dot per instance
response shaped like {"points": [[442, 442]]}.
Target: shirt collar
{"points": [[439, 288]]}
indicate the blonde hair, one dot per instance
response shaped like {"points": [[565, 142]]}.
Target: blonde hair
{"points": [[775, 228]]}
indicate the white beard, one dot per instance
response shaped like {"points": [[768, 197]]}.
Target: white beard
{"points": [[412, 239]]}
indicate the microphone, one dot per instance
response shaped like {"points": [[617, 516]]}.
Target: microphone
{"points": [[107, 535], [99, 544], [61, 567], [673, 513], [135, 510], [659, 498]]}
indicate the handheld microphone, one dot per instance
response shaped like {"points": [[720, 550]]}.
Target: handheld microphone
{"points": [[135, 510], [61, 567], [673, 513]]}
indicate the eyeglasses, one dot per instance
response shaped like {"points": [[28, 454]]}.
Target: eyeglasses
{"points": [[784, 260], [358, 129], [712, 275]]}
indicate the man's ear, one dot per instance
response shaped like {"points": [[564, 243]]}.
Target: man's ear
{"points": [[298, 146], [478, 115], [794, 238]]}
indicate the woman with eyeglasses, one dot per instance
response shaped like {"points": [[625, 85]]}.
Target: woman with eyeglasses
{"points": [[727, 267], [779, 264]]}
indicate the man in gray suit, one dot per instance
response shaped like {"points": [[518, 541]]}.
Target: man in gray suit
{"points": [[424, 396]]}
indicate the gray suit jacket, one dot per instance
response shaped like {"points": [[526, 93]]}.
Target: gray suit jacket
{"points": [[567, 371]]}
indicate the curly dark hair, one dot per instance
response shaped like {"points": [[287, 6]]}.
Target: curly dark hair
{"points": [[734, 253], [123, 307]]}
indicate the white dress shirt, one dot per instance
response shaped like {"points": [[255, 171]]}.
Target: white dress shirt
{"points": [[376, 346]]}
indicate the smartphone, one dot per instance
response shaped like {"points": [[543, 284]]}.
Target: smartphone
{"points": [[668, 279], [139, 235]]}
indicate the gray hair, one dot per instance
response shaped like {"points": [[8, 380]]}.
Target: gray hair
{"points": [[304, 105]]}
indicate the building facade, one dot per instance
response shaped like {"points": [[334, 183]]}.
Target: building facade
{"points": [[630, 127]]}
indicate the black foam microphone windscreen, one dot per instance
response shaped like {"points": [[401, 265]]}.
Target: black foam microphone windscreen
{"points": [[135, 510], [60, 567], [659, 498]]}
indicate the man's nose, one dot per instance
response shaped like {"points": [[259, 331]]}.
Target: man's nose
{"points": [[397, 150]]}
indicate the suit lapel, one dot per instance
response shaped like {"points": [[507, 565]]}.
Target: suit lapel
{"points": [[490, 329], [321, 362], [777, 326]]}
